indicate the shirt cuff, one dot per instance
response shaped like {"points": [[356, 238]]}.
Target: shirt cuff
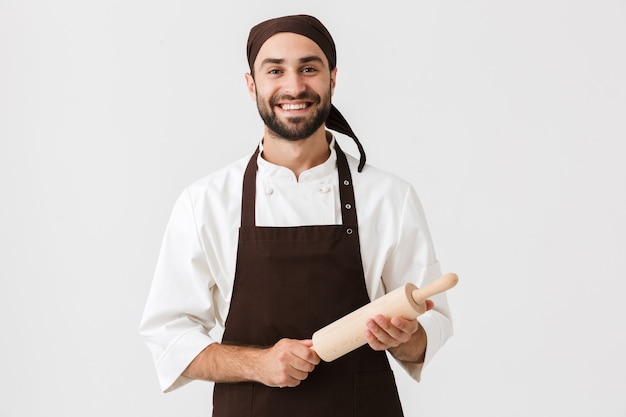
{"points": [[177, 357], [438, 330]]}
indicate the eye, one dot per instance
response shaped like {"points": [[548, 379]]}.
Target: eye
{"points": [[273, 72], [309, 69]]}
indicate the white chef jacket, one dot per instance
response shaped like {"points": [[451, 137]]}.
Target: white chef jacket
{"points": [[193, 281]]}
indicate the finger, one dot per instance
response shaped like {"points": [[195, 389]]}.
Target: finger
{"points": [[393, 332], [289, 381], [381, 338], [306, 353], [397, 327], [407, 326], [373, 341], [301, 365], [290, 376], [298, 374], [306, 342]]}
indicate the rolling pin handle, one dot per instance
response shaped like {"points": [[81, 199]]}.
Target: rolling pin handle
{"points": [[441, 284]]}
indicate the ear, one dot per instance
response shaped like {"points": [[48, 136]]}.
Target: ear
{"points": [[251, 86], [333, 80]]}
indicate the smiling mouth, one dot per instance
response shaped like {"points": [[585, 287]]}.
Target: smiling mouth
{"points": [[296, 106]]}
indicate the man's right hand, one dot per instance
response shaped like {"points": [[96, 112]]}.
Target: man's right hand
{"points": [[286, 364]]}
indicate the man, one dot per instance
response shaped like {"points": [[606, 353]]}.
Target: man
{"points": [[275, 246]]}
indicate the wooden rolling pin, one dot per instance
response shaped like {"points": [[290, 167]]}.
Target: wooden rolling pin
{"points": [[348, 333]]}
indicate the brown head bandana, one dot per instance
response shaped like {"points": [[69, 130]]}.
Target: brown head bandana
{"points": [[313, 29]]}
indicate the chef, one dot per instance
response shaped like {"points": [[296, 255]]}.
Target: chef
{"points": [[260, 254]]}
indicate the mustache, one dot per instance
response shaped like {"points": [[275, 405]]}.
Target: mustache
{"points": [[303, 96]]}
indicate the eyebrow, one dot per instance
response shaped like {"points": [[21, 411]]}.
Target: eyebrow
{"points": [[303, 60]]}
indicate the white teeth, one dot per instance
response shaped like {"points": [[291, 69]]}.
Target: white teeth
{"points": [[294, 106]]}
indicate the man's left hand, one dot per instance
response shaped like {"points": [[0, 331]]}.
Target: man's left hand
{"points": [[384, 333]]}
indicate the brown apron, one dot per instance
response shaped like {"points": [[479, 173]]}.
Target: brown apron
{"points": [[289, 282]]}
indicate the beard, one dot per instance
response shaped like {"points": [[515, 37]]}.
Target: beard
{"points": [[298, 127]]}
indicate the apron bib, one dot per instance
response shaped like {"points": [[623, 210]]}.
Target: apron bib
{"points": [[290, 282]]}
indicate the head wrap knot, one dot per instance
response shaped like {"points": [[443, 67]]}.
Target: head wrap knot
{"points": [[313, 29]]}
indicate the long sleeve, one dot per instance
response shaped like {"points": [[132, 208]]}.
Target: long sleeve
{"points": [[178, 312], [413, 259]]}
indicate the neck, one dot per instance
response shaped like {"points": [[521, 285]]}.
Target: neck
{"points": [[298, 155]]}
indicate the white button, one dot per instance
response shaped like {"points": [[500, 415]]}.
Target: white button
{"points": [[324, 188], [269, 191]]}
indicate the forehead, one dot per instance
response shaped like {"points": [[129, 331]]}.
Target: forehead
{"points": [[289, 46]]}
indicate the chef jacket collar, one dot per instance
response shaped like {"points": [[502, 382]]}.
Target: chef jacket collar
{"points": [[318, 173]]}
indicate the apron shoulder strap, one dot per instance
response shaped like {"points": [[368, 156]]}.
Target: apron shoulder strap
{"points": [[248, 217]]}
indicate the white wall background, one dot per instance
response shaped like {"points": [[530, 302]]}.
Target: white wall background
{"points": [[508, 117]]}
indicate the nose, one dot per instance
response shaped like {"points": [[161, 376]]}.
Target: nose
{"points": [[294, 83]]}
